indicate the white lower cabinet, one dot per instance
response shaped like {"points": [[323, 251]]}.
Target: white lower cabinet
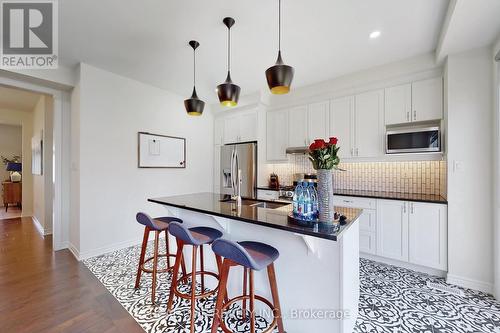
{"points": [[428, 235], [367, 242], [392, 229]]}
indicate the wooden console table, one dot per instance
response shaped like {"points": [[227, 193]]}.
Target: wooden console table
{"points": [[12, 194]]}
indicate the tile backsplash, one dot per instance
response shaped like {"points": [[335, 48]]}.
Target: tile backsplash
{"points": [[419, 177]]}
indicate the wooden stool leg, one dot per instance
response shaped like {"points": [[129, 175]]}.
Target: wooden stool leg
{"points": [[245, 285], [276, 301], [183, 265], [155, 265], [167, 249], [218, 259], [143, 255], [193, 286], [252, 303], [175, 274], [224, 273], [202, 265]]}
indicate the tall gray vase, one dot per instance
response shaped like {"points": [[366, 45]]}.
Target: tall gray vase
{"points": [[325, 195]]}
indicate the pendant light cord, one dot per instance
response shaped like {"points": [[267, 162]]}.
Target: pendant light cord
{"points": [[279, 25], [194, 68], [228, 49]]}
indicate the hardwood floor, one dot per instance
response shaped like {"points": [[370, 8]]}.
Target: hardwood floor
{"points": [[43, 291], [11, 213]]}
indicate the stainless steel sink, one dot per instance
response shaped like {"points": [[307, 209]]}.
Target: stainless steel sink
{"points": [[257, 203]]}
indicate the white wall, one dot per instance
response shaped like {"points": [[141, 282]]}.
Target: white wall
{"points": [[24, 119], [470, 169], [496, 154], [11, 144], [112, 189]]}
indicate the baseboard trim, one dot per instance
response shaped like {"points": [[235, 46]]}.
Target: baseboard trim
{"points": [[470, 283], [109, 248], [74, 251], [407, 265]]}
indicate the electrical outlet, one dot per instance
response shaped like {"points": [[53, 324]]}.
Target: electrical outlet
{"points": [[458, 166]]}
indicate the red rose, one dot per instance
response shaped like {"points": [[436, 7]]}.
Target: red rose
{"points": [[333, 140], [317, 144]]}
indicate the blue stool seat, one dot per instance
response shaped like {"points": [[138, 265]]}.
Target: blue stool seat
{"points": [[194, 236], [253, 255], [157, 223]]}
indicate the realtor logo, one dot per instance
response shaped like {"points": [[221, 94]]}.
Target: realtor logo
{"points": [[29, 34]]}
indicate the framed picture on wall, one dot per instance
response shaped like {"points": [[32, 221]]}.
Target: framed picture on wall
{"points": [[37, 154], [161, 151]]}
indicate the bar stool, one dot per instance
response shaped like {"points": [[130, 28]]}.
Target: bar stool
{"points": [[157, 225], [196, 237], [253, 256]]}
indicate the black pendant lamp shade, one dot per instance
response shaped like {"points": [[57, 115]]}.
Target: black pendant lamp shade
{"points": [[228, 92], [279, 77], [194, 106]]}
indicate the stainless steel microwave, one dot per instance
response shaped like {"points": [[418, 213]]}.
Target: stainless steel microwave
{"points": [[413, 140]]}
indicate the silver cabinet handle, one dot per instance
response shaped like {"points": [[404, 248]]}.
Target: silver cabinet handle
{"points": [[352, 151], [404, 208], [414, 114], [357, 152], [407, 115], [412, 209], [347, 201]]}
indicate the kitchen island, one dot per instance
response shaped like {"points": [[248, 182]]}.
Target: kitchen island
{"points": [[317, 271]]}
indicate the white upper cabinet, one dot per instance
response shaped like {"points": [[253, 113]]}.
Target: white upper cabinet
{"points": [[318, 121], [428, 235], [427, 99], [248, 127], [369, 124], [240, 128], [277, 135], [392, 229], [341, 113], [398, 104], [297, 129], [413, 102]]}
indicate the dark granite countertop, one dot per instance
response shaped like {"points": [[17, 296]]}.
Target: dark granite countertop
{"points": [[431, 198], [210, 203], [417, 197]]}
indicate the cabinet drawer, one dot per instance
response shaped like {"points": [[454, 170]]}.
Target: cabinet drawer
{"points": [[367, 242], [355, 202], [267, 195]]}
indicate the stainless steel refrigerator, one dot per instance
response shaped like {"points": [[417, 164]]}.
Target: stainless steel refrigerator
{"points": [[242, 157]]}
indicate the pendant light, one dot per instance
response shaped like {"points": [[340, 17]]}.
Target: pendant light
{"points": [[228, 92], [194, 106], [279, 77]]}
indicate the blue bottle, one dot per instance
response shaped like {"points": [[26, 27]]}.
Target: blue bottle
{"points": [[308, 209], [296, 201], [315, 203]]}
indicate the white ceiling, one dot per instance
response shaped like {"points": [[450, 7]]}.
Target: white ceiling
{"points": [[17, 99], [322, 39], [469, 25]]}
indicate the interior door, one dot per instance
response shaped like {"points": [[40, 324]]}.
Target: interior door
{"points": [[392, 229], [340, 124], [369, 124]]}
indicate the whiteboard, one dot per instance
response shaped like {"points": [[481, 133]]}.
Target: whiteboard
{"points": [[161, 151]]}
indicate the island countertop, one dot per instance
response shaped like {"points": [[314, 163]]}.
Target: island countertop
{"points": [[277, 218]]}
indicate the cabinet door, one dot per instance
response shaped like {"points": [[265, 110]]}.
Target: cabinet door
{"points": [[368, 220], [248, 127], [427, 99], [367, 242], [428, 235], [231, 129], [277, 135], [398, 104], [297, 135], [219, 131], [341, 110], [392, 229], [318, 120], [368, 124]]}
